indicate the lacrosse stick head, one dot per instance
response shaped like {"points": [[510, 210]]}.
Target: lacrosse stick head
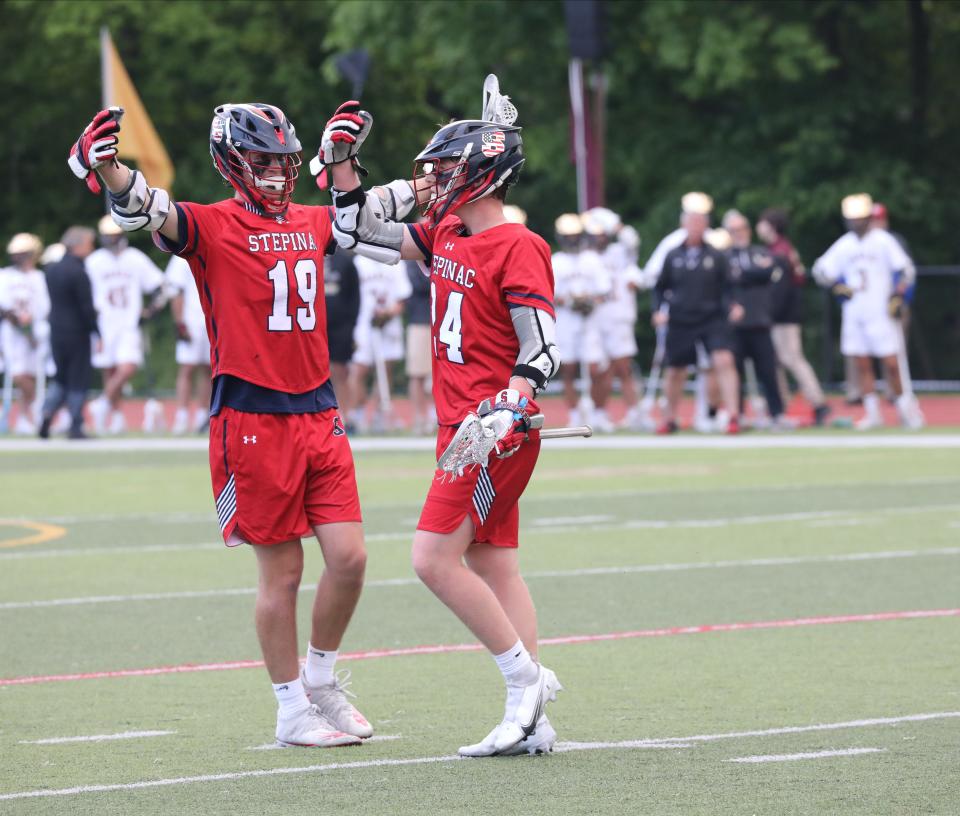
{"points": [[469, 159], [471, 446]]}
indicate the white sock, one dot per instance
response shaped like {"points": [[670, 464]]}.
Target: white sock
{"points": [[291, 698], [516, 665], [871, 405], [319, 666]]}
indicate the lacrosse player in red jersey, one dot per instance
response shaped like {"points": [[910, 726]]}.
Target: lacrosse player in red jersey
{"points": [[492, 341], [280, 462]]}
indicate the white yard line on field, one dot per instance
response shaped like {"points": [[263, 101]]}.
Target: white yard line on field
{"points": [[574, 573], [98, 737], [540, 527], [410, 444], [564, 747], [275, 746], [807, 755]]}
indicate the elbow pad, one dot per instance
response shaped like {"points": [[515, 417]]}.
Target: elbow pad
{"points": [[539, 358], [398, 199], [138, 206], [362, 226]]}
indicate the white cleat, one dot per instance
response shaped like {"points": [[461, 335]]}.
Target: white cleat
{"points": [[99, 410], [525, 705], [868, 423], [117, 423], [310, 729], [331, 701], [541, 741]]}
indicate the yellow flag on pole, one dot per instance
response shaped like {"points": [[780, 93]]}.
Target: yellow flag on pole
{"points": [[138, 137]]}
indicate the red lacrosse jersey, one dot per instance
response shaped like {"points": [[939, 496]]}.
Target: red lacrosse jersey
{"points": [[260, 280], [475, 280]]}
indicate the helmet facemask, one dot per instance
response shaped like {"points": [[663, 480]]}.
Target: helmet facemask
{"points": [[268, 179]]}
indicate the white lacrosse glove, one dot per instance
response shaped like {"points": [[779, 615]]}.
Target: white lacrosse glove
{"points": [[506, 419], [342, 137]]}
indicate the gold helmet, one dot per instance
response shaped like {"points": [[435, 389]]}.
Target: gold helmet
{"points": [[696, 203], [25, 243], [857, 206], [107, 226]]}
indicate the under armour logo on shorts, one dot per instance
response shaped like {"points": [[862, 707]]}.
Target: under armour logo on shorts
{"points": [[338, 427], [249, 440]]}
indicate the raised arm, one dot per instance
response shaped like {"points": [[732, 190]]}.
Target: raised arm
{"points": [[366, 222], [133, 204]]}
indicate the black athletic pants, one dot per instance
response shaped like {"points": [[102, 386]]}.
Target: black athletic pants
{"points": [[757, 344], [71, 353]]}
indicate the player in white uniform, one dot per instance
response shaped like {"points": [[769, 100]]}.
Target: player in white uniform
{"points": [[24, 326], [378, 336], [868, 269], [193, 348], [616, 316], [120, 275], [581, 282]]}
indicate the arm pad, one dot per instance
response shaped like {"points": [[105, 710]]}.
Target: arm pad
{"points": [[364, 220], [539, 358], [138, 206]]}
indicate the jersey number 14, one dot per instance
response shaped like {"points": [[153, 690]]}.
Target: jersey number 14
{"points": [[449, 332]]}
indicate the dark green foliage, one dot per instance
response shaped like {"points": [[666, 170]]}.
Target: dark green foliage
{"points": [[759, 103]]}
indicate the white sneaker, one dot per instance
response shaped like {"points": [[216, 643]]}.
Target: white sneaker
{"points": [[637, 419], [601, 421], [541, 741], [99, 409], [153, 421], [24, 427], [331, 701], [117, 423], [868, 423], [181, 420], [525, 705], [310, 729], [573, 416], [911, 417]]}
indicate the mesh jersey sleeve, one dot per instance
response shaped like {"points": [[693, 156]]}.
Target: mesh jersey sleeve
{"points": [[528, 275]]}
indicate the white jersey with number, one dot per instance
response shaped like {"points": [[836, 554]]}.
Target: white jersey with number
{"points": [[196, 350], [625, 278], [382, 287], [26, 293], [119, 281], [578, 276], [867, 265]]}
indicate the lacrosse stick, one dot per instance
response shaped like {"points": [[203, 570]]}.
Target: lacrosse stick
{"points": [[653, 381], [7, 401], [472, 443], [496, 107]]}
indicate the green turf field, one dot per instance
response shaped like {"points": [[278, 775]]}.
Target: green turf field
{"points": [[826, 714]]}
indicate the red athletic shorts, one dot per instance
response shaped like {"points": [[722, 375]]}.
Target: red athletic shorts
{"points": [[277, 475], [489, 494]]}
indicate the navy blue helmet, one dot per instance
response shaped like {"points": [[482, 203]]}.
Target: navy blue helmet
{"points": [[256, 150], [487, 155]]}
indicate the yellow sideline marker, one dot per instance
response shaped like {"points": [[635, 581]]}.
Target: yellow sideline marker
{"points": [[42, 532]]}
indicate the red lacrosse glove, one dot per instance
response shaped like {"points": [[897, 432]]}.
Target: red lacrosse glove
{"points": [[96, 146], [508, 416]]}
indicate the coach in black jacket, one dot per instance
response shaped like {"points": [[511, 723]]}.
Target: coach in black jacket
{"points": [[694, 300], [753, 271], [72, 322]]}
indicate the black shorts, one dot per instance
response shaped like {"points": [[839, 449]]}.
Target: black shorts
{"points": [[341, 346], [681, 347]]}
